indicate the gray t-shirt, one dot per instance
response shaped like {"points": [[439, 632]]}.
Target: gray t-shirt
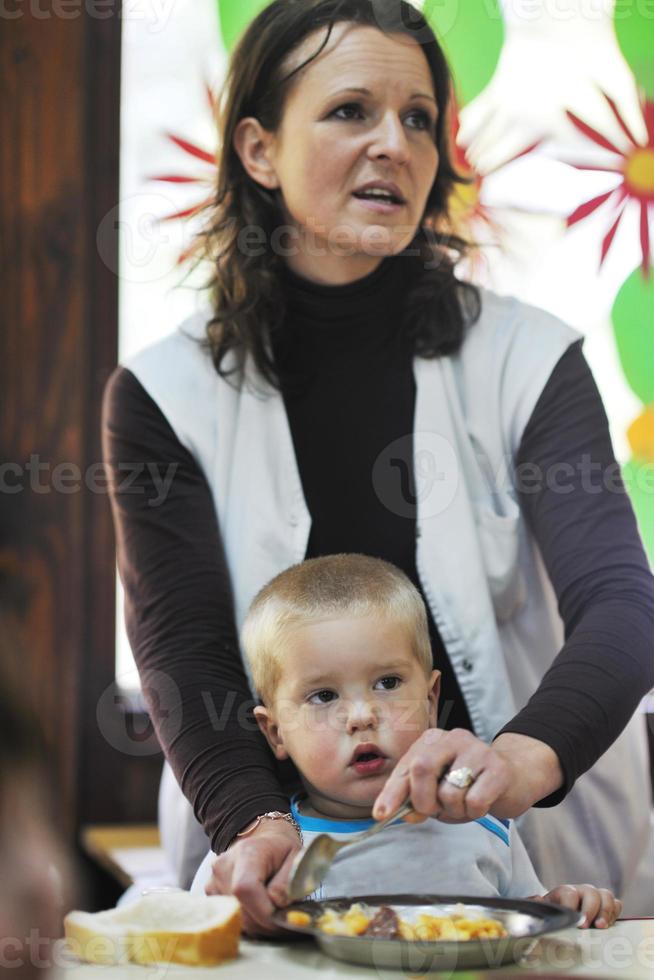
{"points": [[485, 858]]}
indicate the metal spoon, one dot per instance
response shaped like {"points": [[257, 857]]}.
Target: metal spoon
{"points": [[312, 863]]}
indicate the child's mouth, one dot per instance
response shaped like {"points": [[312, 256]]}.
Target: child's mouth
{"points": [[367, 763], [365, 766]]}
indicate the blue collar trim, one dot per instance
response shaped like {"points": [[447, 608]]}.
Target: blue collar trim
{"points": [[496, 827], [325, 825]]}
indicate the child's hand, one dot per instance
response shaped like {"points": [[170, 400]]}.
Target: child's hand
{"points": [[600, 906]]}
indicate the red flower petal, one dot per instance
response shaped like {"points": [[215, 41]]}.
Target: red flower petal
{"points": [[184, 255], [644, 237], [604, 170], [516, 156], [194, 150], [610, 235], [212, 98], [588, 207], [623, 126], [173, 179], [592, 133], [648, 114], [187, 212]]}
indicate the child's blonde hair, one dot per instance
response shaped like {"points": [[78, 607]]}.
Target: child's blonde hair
{"points": [[329, 587]]}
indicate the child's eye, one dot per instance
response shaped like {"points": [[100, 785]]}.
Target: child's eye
{"points": [[322, 697], [390, 683]]}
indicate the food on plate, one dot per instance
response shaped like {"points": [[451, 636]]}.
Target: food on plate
{"points": [[384, 923], [298, 918], [352, 922], [451, 927], [161, 927]]}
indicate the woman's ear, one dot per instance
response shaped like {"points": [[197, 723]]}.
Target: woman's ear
{"points": [[432, 696], [270, 728], [253, 145]]}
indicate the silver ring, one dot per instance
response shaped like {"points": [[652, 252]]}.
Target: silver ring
{"points": [[461, 778]]}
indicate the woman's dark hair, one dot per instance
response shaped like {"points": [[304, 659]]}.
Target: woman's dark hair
{"points": [[246, 290]]}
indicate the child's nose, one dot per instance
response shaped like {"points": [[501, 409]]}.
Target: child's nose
{"points": [[362, 714]]}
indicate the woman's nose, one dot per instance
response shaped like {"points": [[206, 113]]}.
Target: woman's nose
{"points": [[391, 140]]}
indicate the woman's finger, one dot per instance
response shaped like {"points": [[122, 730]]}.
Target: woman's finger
{"points": [[247, 885], [247, 869], [610, 908], [422, 784], [428, 757], [277, 886], [394, 793], [591, 902], [415, 818], [425, 775], [459, 802], [220, 879], [476, 779], [451, 798]]}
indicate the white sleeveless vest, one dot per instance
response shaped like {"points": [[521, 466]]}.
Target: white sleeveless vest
{"points": [[478, 564]]}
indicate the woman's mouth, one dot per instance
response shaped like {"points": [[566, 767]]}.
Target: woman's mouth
{"points": [[382, 205]]}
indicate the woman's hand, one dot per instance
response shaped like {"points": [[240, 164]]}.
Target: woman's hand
{"points": [[600, 906], [509, 776], [255, 869]]}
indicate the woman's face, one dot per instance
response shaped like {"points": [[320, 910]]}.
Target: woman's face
{"points": [[333, 140]]}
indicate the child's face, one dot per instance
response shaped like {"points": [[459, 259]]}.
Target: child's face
{"points": [[348, 684]]}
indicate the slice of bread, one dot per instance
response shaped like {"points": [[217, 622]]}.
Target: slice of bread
{"points": [[161, 927]]}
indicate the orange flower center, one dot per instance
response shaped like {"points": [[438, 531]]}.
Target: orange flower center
{"points": [[639, 171], [464, 199], [641, 435]]}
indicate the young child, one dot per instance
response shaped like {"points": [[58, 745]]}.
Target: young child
{"points": [[338, 650]]}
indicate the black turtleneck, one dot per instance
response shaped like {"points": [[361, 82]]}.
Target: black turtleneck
{"points": [[349, 393]]}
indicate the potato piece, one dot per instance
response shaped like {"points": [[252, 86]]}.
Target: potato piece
{"points": [[295, 918]]}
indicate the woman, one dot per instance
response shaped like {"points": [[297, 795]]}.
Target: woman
{"points": [[349, 394]]}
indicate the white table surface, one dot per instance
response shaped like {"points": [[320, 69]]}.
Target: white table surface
{"points": [[626, 950]]}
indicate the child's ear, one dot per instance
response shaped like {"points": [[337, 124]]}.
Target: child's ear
{"points": [[433, 695], [270, 728]]}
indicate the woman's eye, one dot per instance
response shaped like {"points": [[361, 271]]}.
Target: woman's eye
{"points": [[352, 110], [424, 118], [389, 683], [348, 107], [322, 697]]}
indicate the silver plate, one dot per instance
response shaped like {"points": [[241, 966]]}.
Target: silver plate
{"points": [[524, 921]]}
